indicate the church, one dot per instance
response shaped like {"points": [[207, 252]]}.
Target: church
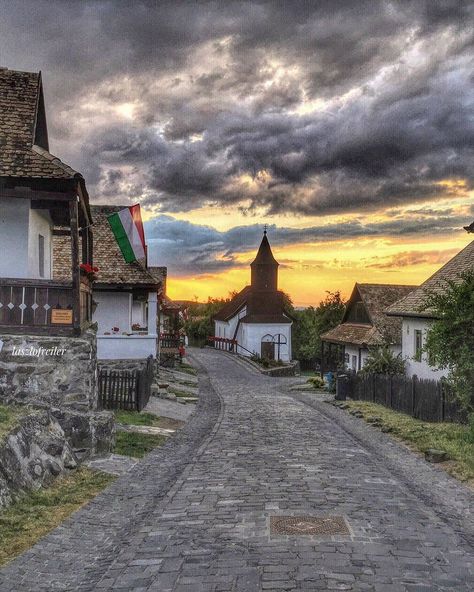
{"points": [[256, 318]]}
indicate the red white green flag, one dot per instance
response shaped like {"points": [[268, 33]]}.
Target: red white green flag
{"points": [[127, 227]]}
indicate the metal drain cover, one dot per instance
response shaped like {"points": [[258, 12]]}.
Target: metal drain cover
{"points": [[309, 525]]}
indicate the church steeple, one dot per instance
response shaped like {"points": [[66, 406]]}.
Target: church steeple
{"points": [[264, 268]]}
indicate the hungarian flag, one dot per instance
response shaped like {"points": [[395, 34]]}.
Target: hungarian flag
{"points": [[127, 227]]}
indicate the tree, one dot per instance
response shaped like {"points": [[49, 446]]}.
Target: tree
{"points": [[450, 339], [199, 325], [381, 360], [313, 322]]}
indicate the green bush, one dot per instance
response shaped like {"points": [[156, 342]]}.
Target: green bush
{"points": [[381, 360], [316, 381]]}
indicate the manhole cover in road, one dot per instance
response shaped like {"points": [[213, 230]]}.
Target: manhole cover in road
{"points": [[309, 525]]}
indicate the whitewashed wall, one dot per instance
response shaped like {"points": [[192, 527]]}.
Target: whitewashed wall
{"points": [[421, 369], [113, 310], [14, 224], [227, 328], [354, 350], [40, 223], [250, 336], [126, 347]]}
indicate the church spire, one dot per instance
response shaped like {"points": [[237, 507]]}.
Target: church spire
{"points": [[265, 268]]}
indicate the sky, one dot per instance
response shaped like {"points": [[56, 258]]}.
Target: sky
{"points": [[347, 127]]}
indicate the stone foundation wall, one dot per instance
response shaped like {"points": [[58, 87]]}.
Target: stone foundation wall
{"points": [[49, 371], [58, 374], [32, 455]]}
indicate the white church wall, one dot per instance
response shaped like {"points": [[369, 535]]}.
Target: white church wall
{"points": [[252, 335]]}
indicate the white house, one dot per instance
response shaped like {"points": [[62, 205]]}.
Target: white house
{"points": [[38, 192], [256, 317], [125, 295], [416, 318], [364, 325]]}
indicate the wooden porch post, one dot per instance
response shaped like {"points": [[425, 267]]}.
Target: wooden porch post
{"points": [[75, 271]]}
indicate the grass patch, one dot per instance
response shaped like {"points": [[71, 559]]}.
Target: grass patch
{"points": [[180, 393], [136, 445], [457, 440], [35, 514], [183, 367], [9, 416], [136, 418]]}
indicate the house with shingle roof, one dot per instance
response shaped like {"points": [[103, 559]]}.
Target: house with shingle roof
{"points": [[256, 318], [38, 192], [125, 295], [364, 325], [416, 318]]}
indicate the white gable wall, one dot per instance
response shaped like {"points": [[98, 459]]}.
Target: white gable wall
{"points": [[421, 369]]}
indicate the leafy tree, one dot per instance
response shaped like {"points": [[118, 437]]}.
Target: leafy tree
{"points": [[450, 339], [312, 322], [381, 360], [199, 325]]}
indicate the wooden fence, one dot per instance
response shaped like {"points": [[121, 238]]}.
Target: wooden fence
{"points": [[428, 400], [125, 389]]}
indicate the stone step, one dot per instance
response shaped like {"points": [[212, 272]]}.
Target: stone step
{"points": [[141, 429]]}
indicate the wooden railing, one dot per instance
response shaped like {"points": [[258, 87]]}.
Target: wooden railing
{"points": [[223, 343], [169, 342], [43, 306]]}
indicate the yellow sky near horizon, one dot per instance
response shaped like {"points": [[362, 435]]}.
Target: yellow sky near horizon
{"points": [[307, 271]]}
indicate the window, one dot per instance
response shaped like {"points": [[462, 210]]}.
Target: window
{"points": [[354, 362], [41, 255], [418, 345]]}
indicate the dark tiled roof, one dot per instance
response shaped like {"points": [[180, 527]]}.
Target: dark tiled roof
{"points": [[383, 329], [21, 111], [113, 269], [266, 318], [377, 298], [413, 303], [353, 333], [231, 308], [264, 254]]}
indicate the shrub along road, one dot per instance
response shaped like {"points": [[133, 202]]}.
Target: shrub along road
{"points": [[194, 515]]}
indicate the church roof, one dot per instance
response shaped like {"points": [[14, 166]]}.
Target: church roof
{"points": [[264, 254], [231, 308]]}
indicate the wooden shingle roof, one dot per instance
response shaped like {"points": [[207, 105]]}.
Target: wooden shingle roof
{"points": [[376, 298], [113, 269], [413, 305], [24, 149]]}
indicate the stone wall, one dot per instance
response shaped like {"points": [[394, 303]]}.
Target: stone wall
{"points": [[32, 455], [58, 374], [49, 371]]}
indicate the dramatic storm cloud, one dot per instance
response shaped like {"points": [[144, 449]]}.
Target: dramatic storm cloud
{"points": [[306, 107], [331, 120]]}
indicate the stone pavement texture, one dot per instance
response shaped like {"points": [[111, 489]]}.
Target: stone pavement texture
{"points": [[194, 515]]}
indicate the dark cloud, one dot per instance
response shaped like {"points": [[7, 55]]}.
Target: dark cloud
{"points": [[195, 249], [297, 106]]}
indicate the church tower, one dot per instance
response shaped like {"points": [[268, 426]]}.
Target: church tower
{"points": [[264, 268]]}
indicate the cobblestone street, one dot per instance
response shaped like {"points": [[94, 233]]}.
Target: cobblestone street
{"points": [[194, 515]]}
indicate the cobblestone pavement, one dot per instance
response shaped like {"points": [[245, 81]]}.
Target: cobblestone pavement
{"points": [[194, 515]]}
